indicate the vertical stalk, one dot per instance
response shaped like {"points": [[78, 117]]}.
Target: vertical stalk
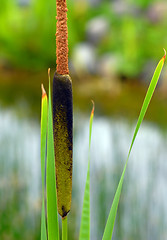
{"points": [[64, 228]]}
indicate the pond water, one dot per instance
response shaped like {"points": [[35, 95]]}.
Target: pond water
{"points": [[142, 212]]}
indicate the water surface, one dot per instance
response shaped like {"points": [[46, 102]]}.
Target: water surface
{"points": [[142, 212]]}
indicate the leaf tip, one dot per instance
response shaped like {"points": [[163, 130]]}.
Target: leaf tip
{"points": [[163, 58], [43, 91], [93, 109], [49, 73]]}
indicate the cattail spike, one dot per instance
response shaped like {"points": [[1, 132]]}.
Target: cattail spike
{"points": [[63, 140]]}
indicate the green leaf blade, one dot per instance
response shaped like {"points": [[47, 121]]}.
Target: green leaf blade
{"points": [[149, 95], [44, 116], [52, 214], [44, 110], [43, 222], [85, 218], [113, 211]]}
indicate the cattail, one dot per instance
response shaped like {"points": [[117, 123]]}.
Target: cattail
{"points": [[63, 114]]}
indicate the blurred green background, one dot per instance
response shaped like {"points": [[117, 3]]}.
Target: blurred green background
{"points": [[127, 35], [114, 47]]}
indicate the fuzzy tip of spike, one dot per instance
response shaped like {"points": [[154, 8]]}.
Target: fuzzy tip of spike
{"points": [[92, 113], [163, 58], [43, 91]]}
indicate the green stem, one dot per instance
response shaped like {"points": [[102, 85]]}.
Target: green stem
{"points": [[64, 228]]}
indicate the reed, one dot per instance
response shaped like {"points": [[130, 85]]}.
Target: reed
{"points": [[58, 130], [63, 114]]}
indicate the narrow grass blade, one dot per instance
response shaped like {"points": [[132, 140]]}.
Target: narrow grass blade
{"points": [[44, 116], [111, 219], [85, 218], [52, 215]]}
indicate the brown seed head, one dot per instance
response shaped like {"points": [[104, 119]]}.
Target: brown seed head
{"points": [[62, 38]]}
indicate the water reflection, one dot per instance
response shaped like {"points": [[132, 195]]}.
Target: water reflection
{"points": [[142, 212], [19, 176]]}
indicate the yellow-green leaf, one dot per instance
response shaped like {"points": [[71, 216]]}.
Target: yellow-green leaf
{"points": [[44, 113], [52, 214], [85, 218]]}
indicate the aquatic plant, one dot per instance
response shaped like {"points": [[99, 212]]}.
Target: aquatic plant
{"points": [[57, 129]]}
